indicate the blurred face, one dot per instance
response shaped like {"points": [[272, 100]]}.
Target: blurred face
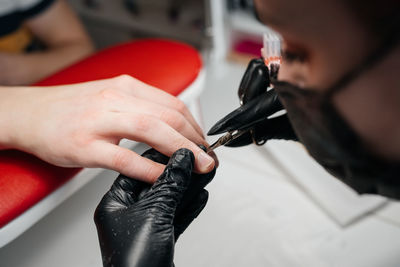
{"points": [[323, 41]]}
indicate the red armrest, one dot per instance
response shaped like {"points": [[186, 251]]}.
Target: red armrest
{"points": [[169, 65]]}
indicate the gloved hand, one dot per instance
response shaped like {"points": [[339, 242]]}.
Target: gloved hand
{"points": [[257, 104], [138, 224]]}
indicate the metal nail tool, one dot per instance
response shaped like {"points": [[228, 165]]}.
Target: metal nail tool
{"points": [[226, 138]]}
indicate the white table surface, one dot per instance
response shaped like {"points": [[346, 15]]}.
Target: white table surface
{"points": [[255, 216]]}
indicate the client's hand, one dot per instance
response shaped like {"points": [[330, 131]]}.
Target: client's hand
{"points": [[81, 125], [138, 224]]}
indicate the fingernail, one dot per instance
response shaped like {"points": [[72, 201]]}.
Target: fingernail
{"points": [[205, 161], [215, 158]]}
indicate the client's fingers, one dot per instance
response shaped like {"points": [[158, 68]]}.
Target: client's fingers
{"points": [[125, 161], [150, 93], [158, 135], [172, 117]]}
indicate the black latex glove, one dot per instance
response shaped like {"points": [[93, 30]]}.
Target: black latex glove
{"points": [[138, 224], [258, 104], [132, 6]]}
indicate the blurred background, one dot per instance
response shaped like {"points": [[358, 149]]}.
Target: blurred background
{"points": [[268, 206], [229, 27], [111, 22]]}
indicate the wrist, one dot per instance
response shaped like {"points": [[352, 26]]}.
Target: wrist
{"points": [[12, 104]]}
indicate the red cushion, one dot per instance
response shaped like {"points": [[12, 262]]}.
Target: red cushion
{"points": [[169, 65]]}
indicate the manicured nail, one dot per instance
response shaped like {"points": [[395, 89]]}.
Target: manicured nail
{"points": [[205, 161], [215, 158]]}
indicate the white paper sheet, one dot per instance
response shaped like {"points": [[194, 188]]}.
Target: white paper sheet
{"points": [[338, 200]]}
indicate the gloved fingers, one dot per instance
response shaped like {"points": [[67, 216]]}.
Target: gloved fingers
{"points": [[155, 156], [249, 114], [255, 80], [243, 140], [189, 213], [193, 201], [199, 181], [195, 187], [274, 128], [123, 193], [168, 190], [253, 85], [126, 191]]}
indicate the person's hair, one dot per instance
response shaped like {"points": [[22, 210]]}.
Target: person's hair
{"points": [[381, 17]]}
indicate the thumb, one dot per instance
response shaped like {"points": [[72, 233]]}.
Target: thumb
{"points": [[173, 182], [186, 216]]}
